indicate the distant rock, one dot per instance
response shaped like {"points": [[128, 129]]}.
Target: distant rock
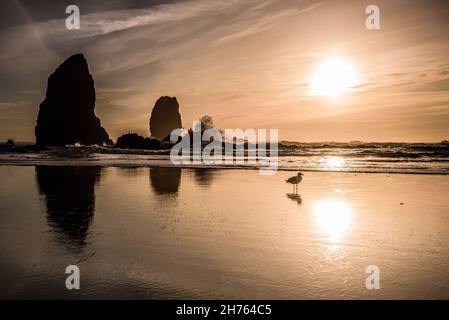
{"points": [[135, 141], [8, 146], [66, 116], [165, 117], [10, 143]]}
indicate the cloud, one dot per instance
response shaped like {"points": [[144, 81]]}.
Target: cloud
{"points": [[238, 31], [124, 19], [249, 24]]}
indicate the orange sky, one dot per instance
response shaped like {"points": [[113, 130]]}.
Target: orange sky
{"points": [[245, 63]]}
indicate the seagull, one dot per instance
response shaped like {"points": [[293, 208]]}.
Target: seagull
{"points": [[295, 180]]}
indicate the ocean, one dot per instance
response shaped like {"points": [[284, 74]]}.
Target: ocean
{"points": [[417, 158]]}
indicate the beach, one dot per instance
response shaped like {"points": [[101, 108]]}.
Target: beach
{"points": [[139, 232]]}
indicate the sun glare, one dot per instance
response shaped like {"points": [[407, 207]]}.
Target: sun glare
{"points": [[333, 163], [332, 78], [333, 217]]}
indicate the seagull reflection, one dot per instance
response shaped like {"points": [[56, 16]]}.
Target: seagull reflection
{"points": [[295, 197]]}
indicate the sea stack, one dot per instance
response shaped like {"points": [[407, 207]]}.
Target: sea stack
{"points": [[66, 116], [165, 117]]}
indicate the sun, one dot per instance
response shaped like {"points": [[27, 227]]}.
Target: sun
{"points": [[332, 78]]}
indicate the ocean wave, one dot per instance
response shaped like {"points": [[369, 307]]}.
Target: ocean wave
{"points": [[366, 157]]}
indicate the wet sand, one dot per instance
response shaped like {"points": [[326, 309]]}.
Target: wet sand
{"points": [[184, 233]]}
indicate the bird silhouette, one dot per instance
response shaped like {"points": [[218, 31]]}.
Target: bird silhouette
{"points": [[295, 180]]}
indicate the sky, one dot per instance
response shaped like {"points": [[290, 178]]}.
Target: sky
{"points": [[246, 63]]}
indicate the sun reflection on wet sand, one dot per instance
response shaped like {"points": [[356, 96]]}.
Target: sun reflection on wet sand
{"points": [[333, 218]]}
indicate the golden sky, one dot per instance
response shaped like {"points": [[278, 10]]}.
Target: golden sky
{"points": [[246, 63]]}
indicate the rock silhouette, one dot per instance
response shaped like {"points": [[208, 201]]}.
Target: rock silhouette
{"points": [[165, 117], [10, 143], [66, 116], [135, 141]]}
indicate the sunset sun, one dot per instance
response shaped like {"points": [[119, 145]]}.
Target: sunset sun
{"points": [[332, 78]]}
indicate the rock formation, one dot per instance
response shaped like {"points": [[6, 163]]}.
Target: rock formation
{"points": [[66, 116], [165, 117], [10, 143], [135, 141]]}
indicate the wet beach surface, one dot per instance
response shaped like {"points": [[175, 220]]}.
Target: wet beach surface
{"points": [[204, 233]]}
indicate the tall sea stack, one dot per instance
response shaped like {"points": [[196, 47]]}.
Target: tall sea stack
{"points": [[165, 117], [66, 116]]}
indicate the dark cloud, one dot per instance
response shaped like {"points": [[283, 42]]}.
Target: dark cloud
{"points": [[16, 12]]}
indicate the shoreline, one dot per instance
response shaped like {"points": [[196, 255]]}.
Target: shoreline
{"points": [[247, 168]]}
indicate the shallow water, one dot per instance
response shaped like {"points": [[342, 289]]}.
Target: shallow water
{"points": [[192, 233]]}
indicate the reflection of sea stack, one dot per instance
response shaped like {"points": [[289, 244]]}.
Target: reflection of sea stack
{"points": [[165, 180], [70, 199], [203, 177], [66, 116], [165, 117]]}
